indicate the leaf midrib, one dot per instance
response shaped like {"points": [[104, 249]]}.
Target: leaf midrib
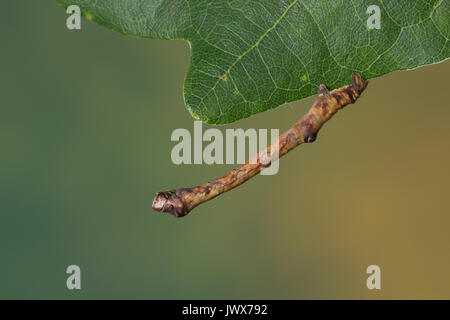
{"points": [[256, 44]]}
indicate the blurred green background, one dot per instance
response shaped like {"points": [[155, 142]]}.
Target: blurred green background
{"points": [[85, 124]]}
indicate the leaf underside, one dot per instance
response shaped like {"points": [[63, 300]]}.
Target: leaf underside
{"points": [[249, 56]]}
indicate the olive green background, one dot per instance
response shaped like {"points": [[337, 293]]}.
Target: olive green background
{"points": [[85, 124]]}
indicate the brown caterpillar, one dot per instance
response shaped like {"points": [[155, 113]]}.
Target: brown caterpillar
{"points": [[180, 202]]}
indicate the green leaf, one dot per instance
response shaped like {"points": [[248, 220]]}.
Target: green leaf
{"points": [[248, 56]]}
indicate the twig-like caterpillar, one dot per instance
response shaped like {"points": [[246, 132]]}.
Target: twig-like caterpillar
{"points": [[181, 201]]}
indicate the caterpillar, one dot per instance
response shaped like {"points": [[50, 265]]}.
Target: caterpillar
{"points": [[179, 202]]}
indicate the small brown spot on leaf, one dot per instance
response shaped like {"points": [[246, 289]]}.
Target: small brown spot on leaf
{"points": [[224, 77], [236, 91]]}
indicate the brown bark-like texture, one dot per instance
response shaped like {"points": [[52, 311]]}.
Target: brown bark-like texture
{"points": [[180, 202]]}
